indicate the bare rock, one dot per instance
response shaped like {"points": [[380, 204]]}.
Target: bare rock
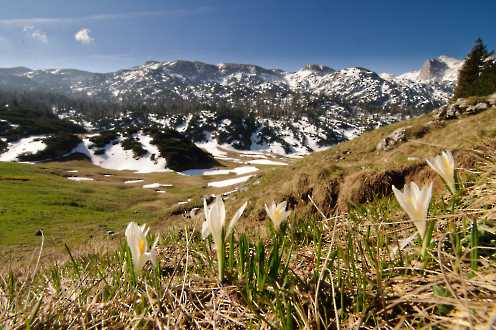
{"points": [[462, 103], [473, 109], [461, 107], [453, 111], [446, 112], [491, 99], [397, 137], [440, 113]]}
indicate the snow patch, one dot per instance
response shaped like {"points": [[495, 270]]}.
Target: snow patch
{"points": [[155, 185], [229, 182], [80, 178], [133, 181], [31, 144], [116, 158], [237, 171], [266, 162]]}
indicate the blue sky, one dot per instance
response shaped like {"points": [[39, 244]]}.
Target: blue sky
{"points": [[106, 35]]}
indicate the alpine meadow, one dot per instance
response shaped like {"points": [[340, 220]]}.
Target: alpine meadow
{"points": [[138, 193]]}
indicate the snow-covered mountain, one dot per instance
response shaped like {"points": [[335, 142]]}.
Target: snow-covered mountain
{"points": [[179, 81], [263, 109]]}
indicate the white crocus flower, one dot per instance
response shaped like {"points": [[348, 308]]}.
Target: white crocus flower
{"points": [[444, 165], [136, 239], [415, 202], [215, 224], [277, 213]]}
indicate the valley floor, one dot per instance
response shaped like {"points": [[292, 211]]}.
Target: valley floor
{"points": [[85, 206]]}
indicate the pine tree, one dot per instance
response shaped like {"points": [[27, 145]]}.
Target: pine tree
{"points": [[468, 78], [488, 77]]}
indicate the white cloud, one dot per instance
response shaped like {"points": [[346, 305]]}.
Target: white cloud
{"points": [[36, 34], [83, 36]]}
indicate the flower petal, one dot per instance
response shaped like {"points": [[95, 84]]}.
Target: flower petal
{"points": [[235, 219], [216, 219], [205, 230], [206, 209]]}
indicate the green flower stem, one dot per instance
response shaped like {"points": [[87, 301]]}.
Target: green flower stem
{"points": [[427, 241], [221, 258]]}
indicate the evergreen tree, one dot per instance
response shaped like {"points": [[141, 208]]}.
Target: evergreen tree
{"points": [[468, 78], [488, 77]]}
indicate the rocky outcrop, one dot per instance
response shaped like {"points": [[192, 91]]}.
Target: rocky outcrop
{"points": [[491, 99], [397, 137], [439, 69], [401, 135], [463, 107], [432, 69]]}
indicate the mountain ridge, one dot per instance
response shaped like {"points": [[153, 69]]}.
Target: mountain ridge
{"points": [[243, 106]]}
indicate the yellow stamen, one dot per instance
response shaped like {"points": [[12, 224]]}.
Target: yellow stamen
{"points": [[142, 247], [446, 163]]}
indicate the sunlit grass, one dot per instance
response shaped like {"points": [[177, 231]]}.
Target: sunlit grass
{"points": [[321, 269], [315, 272]]}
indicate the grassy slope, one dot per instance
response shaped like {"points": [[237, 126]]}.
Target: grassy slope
{"points": [[39, 196], [342, 263], [341, 169], [32, 199]]}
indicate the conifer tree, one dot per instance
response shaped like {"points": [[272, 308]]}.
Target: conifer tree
{"points": [[488, 77], [468, 78]]}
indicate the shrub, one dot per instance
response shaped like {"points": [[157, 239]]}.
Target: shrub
{"points": [[33, 121], [57, 146], [100, 151], [3, 146], [131, 143], [180, 153], [104, 138]]}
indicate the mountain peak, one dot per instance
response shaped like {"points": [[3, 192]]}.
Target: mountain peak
{"points": [[439, 69], [318, 68], [442, 68]]}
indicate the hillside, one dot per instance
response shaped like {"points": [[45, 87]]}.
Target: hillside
{"points": [[30, 131], [341, 263], [359, 170]]}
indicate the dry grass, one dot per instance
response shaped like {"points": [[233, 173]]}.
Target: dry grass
{"points": [[356, 171], [343, 263], [338, 270]]}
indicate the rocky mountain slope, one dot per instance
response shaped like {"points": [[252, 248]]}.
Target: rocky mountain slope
{"points": [[242, 106], [168, 82]]}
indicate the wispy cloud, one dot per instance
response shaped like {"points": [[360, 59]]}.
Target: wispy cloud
{"points": [[36, 34], [40, 36], [32, 21], [83, 36]]}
